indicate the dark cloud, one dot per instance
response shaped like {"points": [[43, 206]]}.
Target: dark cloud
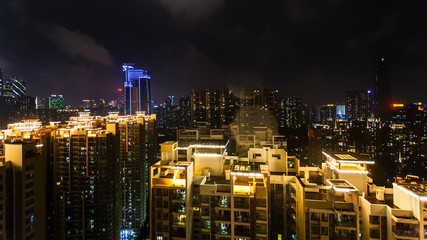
{"points": [[314, 49], [192, 9], [77, 45]]}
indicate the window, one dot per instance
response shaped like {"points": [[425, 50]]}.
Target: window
{"points": [[325, 231], [278, 156], [291, 162], [374, 219], [374, 233]]}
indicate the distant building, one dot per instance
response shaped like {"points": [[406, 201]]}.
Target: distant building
{"points": [[258, 108], [382, 91], [358, 105], [19, 87], [42, 103], [137, 90], [56, 102], [327, 114], [291, 113], [341, 111], [212, 106], [13, 87]]}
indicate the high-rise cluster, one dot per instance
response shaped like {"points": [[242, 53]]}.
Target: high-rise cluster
{"points": [[87, 179], [201, 190]]}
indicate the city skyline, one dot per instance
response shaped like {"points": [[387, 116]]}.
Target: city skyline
{"points": [[332, 47]]}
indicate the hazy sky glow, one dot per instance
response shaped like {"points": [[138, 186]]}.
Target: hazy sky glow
{"points": [[314, 49]]}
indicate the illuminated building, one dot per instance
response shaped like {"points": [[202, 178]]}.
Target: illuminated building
{"points": [[347, 165], [184, 111], [341, 112], [394, 213], [86, 180], [19, 88], [199, 192], [358, 105], [291, 112], [56, 102], [382, 91], [213, 106], [137, 90], [23, 182], [258, 107], [86, 104], [6, 87], [168, 118], [137, 151], [327, 114], [42, 103], [81, 159], [266, 194]]}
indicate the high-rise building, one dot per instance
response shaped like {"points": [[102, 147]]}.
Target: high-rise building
{"points": [[382, 91], [212, 106], [137, 151], [85, 186], [13, 87], [358, 105], [327, 114], [86, 180], [258, 107], [340, 111], [137, 90], [19, 87], [56, 102], [291, 113], [42, 103], [23, 191]]}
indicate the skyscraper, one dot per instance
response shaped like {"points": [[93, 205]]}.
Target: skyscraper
{"points": [[137, 149], [56, 102], [258, 108], [86, 189], [13, 87], [358, 105], [382, 92], [213, 106], [137, 90], [291, 112], [19, 87]]}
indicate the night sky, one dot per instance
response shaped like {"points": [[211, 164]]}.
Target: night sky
{"points": [[316, 49]]}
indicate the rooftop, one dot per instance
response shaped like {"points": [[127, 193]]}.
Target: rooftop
{"points": [[245, 169], [416, 190], [347, 157], [203, 143], [341, 185]]}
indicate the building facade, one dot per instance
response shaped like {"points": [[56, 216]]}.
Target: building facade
{"points": [[137, 90]]}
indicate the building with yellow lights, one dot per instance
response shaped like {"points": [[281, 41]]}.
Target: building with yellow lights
{"points": [[228, 197], [22, 191], [84, 160]]}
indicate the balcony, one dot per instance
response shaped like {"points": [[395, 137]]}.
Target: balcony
{"points": [[223, 229], [405, 230], [242, 231], [346, 220], [241, 217]]}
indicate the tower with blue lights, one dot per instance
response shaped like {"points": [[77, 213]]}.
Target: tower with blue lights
{"points": [[137, 90]]}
